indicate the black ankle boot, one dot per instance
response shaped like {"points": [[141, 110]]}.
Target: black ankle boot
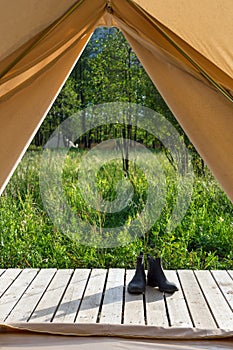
{"points": [[156, 276], [138, 283]]}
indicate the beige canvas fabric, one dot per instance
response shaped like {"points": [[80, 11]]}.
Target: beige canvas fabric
{"points": [[205, 128], [203, 111], [204, 28], [29, 88], [115, 330], [185, 48], [81, 336], [21, 20], [52, 342]]}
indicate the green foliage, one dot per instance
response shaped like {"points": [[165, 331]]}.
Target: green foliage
{"points": [[66, 104], [107, 71], [203, 240]]}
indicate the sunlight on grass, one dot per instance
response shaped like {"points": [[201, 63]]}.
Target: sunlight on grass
{"points": [[203, 240]]}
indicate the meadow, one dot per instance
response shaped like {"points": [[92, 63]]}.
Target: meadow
{"points": [[29, 238]]}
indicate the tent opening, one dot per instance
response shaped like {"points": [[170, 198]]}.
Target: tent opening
{"points": [[108, 71]]}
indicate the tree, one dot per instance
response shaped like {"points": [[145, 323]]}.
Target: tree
{"points": [[109, 71], [65, 105]]}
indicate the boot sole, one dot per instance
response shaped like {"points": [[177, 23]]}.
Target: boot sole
{"points": [[136, 291], [163, 290]]}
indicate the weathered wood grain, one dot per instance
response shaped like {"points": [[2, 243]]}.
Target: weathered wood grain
{"points": [[1, 271], [48, 304], [200, 313], [204, 299], [29, 300], [134, 306], [69, 305], [225, 283], [155, 308], [113, 298], [216, 301], [15, 291], [176, 304], [7, 278], [90, 305]]}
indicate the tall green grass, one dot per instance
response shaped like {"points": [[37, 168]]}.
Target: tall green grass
{"points": [[203, 240]]}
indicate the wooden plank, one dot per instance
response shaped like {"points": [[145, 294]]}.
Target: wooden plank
{"points": [[155, 308], [225, 283], [90, 305], [69, 305], [209, 296], [29, 300], [176, 304], [200, 313], [216, 301], [134, 307], [1, 271], [15, 291], [7, 279], [113, 297], [51, 298]]}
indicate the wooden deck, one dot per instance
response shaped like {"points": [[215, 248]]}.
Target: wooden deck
{"points": [[204, 299]]}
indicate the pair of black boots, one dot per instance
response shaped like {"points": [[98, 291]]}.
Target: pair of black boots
{"points": [[155, 277]]}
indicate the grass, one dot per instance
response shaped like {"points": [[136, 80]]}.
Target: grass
{"points": [[202, 240]]}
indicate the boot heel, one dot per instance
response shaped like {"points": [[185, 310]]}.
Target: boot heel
{"points": [[156, 276]]}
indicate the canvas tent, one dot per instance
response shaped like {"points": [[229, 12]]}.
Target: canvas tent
{"points": [[185, 46]]}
